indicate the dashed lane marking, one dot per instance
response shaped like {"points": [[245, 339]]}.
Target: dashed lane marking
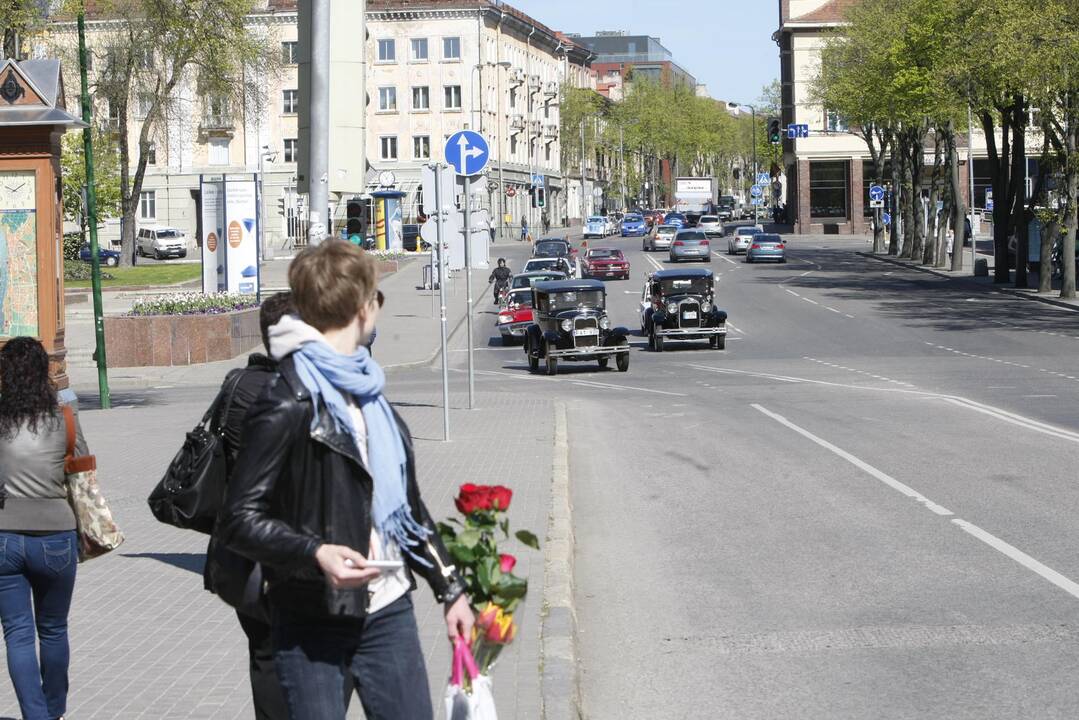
{"points": [[1010, 551]]}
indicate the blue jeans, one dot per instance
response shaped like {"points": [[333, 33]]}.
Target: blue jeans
{"points": [[318, 662], [37, 576]]}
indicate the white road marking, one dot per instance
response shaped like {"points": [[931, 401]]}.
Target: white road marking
{"points": [[655, 263], [737, 330], [811, 301], [792, 292], [1066, 584], [849, 316], [592, 383], [833, 310], [1039, 396], [724, 257]]}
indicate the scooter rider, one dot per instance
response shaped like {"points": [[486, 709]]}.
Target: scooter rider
{"points": [[501, 278]]}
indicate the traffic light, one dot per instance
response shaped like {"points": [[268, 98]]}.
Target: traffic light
{"points": [[540, 197], [354, 218], [281, 206], [775, 134]]}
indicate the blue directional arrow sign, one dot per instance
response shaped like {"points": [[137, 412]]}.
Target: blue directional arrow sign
{"points": [[756, 191], [887, 219], [876, 193], [467, 152]]}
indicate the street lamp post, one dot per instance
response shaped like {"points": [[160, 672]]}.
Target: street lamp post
{"points": [[264, 154], [753, 115], [505, 65]]}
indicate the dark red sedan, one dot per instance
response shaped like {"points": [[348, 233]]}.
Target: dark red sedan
{"points": [[601, 263]]}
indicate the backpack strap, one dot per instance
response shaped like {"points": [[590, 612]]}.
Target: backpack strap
{"points": [[223, 402]]}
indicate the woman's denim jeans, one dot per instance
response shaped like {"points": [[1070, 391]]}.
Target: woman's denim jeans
{"points": [[37, 576]]}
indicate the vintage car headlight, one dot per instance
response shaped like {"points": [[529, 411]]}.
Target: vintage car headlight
{"points": [[504, 319], [706, 306], [567, 325], [605, 323], [672, 308]]}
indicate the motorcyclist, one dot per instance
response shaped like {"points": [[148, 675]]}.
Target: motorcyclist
{"points": [[501, 278]]}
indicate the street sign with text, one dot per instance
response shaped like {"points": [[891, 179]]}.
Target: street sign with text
{"points": [[467, 152]]}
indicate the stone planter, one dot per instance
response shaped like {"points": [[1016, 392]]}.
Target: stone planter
{"points": [[163, 340]]}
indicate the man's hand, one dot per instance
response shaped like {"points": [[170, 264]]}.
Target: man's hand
{"points": [[343, 567], [459, 620]]}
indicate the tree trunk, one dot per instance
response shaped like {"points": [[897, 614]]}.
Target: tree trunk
{"points": [[1045, 269], [910, 199], [1071, 217], [893, 229], [959, 206], [930, 250], [1019, 211]]}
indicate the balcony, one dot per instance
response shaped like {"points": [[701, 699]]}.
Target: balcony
{"points": [[534, 82], [517, 123], [550, 89], [550, 132], [517, 76], [217, 125]]}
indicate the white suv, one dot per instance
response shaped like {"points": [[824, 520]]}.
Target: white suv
{"points": [[161, 242], [661, 239]]}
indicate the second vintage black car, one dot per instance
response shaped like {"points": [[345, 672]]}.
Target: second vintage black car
{"points": [[680, 305], [569, 322]]}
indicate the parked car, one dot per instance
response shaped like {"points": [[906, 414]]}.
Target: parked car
{"points": [[766, 246], [570, 323], [691, 245], [680, 305], [111, 258], [742, 238], [711, 225], [516, 316], [560, 264], [553, 247], [661, 239], [606, 263], [528, 279], [596, 227], [161, 242], [675, 218], [633, 225]]}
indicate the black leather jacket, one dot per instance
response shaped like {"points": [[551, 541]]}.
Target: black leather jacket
{"points": [[295, 488]]}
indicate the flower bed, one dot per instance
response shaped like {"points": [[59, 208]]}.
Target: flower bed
{"points": [[193, 304]]}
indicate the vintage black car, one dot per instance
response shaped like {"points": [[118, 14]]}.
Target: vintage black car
{"points": [[569, 322], [680, 305]]}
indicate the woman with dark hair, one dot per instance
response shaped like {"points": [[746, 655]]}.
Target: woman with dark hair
{"points": [[38, 550]]}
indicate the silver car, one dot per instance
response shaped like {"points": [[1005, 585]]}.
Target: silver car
{"points": [[741, 238], [767, 246], [711, 225], [691, 245], [661, 239]]}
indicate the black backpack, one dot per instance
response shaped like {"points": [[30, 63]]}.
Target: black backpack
{"points": [[191, 493]]}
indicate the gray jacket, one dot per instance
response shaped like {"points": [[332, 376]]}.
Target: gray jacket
{"points": [[32, 466]]}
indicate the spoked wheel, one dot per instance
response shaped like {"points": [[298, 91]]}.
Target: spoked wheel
{"points": [[719, 342], [533, 361], [621, 361], [552, 365], [657, 342]]}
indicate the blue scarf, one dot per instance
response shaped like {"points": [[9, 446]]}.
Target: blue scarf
{"points": [[331, 376]]}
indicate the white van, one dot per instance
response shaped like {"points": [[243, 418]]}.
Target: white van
{"points": [[161, 242]]}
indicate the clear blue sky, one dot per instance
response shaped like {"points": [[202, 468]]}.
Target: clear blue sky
{"points": [[726, 44]]}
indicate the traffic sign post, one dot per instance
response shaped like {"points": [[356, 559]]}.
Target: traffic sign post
{"points": [[467, 153], [438, 171], [876, 196], [756, 191], [763, 178]]}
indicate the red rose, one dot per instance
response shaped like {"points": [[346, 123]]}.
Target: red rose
{"points": [[473, 498], [500, 497], [506, 563], [466, 504], [468, 488]]}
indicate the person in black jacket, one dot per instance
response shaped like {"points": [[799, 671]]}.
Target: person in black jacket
{"points": [[235, 578], [325, 483]]}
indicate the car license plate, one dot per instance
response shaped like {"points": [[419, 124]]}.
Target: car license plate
{"points": [[690, 315], [586, 331]]}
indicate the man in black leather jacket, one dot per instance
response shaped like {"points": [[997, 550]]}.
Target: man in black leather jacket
{"points": [[300, 504]]}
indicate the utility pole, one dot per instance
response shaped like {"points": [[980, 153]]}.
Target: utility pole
{"points": [[91, 214], [319, 179], [584, 215], [970, 175], [622, 165], [441, 245]]}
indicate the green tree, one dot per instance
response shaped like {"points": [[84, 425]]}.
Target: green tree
{"points": [[106, 175], [18, 18]]}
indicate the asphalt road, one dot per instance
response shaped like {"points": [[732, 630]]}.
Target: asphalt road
{"points": [[863, 507]]}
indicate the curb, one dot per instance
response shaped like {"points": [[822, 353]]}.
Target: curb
{"points": [[965, 281], [559, 687], [434, 355]]}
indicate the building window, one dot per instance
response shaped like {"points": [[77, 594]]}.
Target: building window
{"points": [[151, 155], [388, 145], [513, 144], [290, 52], [419, 49], [291, 148], [834, 122], [828, 190], [547, 152], [148, 205], [219, 151], [142, 105], [387, 51], [513, 97], [421, 147], [421, 98], [290, 101], [546, 111], [453, 97], [451, 48], [387, 99]]}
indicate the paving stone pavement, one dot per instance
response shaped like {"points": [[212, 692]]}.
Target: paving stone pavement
{"points": [[148, 642]]}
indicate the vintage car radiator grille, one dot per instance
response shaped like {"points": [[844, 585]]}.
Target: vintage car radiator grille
{"points": [[690, 306], [585, 340]]}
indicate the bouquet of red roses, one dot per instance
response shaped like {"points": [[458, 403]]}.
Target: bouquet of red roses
{"points": [[493, 589]]}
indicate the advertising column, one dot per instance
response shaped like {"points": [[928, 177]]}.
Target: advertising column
{"points": [[213, 229], [241, 236]]}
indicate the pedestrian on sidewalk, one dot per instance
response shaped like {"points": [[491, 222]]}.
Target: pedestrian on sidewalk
{"points": [[227, 574], [37, 530], [524, 228], [546, 223], [326, 481]]}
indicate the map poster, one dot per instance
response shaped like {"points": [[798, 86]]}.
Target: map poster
{"points": [[241, 237], [18, 273], [213, 230]]}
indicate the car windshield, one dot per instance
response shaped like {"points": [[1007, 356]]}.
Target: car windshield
{"points": [[575, 299], [604, 253], [749, 231], [686, 286], [596, 220], [550, 248], [524, 281], [632, 218], [709, 219], [726, 201], [522, 297], [691, 237], [167, 234], [667, 230], [762, 238], [676, 216], [550, 264]]}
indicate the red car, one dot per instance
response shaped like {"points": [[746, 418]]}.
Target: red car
{"points": [[516, 316], [602, 263]]}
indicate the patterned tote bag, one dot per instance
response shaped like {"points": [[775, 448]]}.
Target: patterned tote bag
{"points": [[98, 532]]}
